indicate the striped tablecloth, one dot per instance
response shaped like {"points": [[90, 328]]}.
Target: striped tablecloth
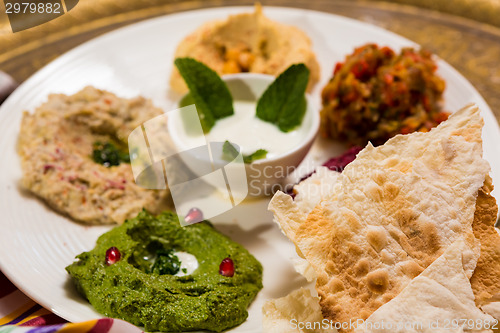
{"points": [[20, 314]]}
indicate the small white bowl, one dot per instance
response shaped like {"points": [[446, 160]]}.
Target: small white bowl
{"points": [[264, 176]]}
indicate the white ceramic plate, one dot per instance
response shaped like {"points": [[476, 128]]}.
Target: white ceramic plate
{"points": [[36, 243]]}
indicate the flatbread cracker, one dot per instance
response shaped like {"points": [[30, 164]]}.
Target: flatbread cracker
{"points": [[395, 210], [493, 309], [308, 193], [429, 304], [486, 278], [299, 312]]}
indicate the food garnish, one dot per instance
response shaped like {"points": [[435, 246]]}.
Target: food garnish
{"points": [[194, 215], [112, 255], [337, 163], [210, 94], [108, 154], [148, 284], [375, 94], [166, 262], [226, 267], [229, 153], [256, 155], [284, 102]]}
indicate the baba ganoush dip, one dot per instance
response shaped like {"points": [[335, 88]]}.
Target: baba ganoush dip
{"points": [[69, 156], [136, 273]]}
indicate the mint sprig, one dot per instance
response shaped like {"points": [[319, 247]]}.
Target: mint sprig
{"points": [[284, 103], [210, 94], [229, 153]]}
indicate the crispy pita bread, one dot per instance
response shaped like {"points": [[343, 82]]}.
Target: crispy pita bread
{"points": [[299, 312], [429, 304], [433, 299], [394, 210], [290, 213], [486, 278], [493, 309], [308, 194]]}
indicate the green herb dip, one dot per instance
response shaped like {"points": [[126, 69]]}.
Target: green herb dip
{"points": [[131, 290]]}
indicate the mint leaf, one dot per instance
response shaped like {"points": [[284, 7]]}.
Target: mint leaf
{"points": [[229, 153], [284, 103], [210, 94], [257, 155]]}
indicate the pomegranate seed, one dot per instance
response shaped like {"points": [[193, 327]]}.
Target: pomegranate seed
{"points": [[194, 215], [112, 255], [226, 267]]}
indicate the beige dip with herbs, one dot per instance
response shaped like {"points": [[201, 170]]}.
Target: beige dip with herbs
{"points": [[74, 154]]}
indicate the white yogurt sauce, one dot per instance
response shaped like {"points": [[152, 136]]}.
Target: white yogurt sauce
{"points": [[189, 263], [251, 133]]}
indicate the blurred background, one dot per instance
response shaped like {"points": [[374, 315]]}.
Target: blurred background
{"points": [[465, 33]]}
